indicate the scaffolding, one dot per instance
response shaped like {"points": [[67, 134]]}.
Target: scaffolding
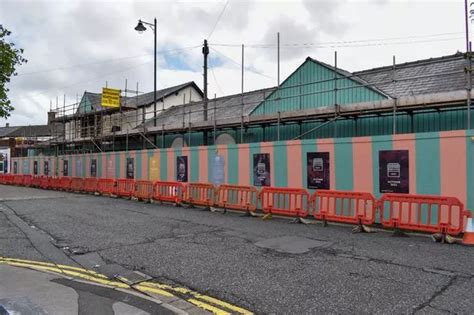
{"points": [[138, 126]]}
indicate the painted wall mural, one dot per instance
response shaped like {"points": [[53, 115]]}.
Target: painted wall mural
{"points": [[439, 163]]}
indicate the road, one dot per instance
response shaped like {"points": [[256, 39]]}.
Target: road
{"points": [[266, 266]]}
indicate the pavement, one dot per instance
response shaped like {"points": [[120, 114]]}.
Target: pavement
{"points": [[235, 263]]}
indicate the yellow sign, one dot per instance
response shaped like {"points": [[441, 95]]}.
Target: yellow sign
{"points": [[154, 169], [110, 97]]}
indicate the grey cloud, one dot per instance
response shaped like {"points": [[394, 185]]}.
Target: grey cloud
{"points": [[291, 31], [324, 16]]}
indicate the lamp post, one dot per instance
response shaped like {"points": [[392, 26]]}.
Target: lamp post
{"points": [[140, 28]]}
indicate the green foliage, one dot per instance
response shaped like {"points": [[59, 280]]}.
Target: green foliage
{"points": [[10, 58]]}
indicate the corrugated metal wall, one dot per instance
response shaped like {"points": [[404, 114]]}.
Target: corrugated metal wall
{"points": [[297, 92]]}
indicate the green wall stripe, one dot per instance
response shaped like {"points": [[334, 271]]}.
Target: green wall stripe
{"points": [[280, 159], [211, 154], [117, 164], [470, 170], [428, 168], [194, 176], [233, 164], [344, 164], [163, 165], [379, 143]]}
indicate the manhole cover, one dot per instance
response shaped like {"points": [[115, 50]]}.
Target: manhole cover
{"points": [[291, 244]]}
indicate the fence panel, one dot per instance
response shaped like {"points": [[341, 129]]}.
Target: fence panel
{"points": [[169, 192], [235, 197], [424, 213], [293, 202], [90, 184], [125, 188], [344, 206], [77, 184], [200, 194], [144, 190], [106, 186]]}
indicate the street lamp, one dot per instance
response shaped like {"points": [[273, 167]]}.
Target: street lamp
{"points": [[140, 28]]}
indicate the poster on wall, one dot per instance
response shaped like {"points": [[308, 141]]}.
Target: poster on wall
{"points": [[93, 168], [110, 169], [35, 167], [15, 167], [130, 168], [218, 173], [46, 168], [65, 168], [317, 170], [182, 168], [261, 169], [79, 167], [154, 169], [394, 171]]}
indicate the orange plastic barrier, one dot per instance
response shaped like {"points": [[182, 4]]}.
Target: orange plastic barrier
{"points": [[242, 198], [200, 194], [2, 179], [77, 184], [18, 180], [169, 192], [125, 187], [424, 213], [144, 189], [45, 182], [106, 186], [9, 179], [36, 181], [65, 183], [344, 206], [54, 183], [90, 184], [292, 202], [27, 180]]}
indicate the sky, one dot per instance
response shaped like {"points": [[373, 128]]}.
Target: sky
{"points": [[74, 46]]}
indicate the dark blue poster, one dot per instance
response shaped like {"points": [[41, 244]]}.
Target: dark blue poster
{"points": [[261, 169], [317, 170], [394, 171]]}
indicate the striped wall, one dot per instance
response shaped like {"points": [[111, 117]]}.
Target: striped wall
{"points": [[440, 163]]}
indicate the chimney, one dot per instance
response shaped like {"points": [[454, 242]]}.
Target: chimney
{"points": [[51, 117], [7, 125]]}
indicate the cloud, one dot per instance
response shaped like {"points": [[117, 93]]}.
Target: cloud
{"points": [[78, 45]]}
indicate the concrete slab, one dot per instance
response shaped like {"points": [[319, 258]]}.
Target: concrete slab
{"points": [[291, 244]]}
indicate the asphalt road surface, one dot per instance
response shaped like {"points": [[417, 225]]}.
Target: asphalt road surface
{"points": [[269, 266]]}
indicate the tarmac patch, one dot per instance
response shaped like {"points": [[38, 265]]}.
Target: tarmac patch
{"points": [[291, 244]]}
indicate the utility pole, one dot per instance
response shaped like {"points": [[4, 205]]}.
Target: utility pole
{"points": [[205, 52]]}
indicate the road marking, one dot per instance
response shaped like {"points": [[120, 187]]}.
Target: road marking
{"points": [[54, 265], [208, 307], [219, 307]]}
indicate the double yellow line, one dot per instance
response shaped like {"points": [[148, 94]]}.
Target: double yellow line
{"points": [[208, 303]]}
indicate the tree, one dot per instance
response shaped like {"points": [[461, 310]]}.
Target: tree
{"points": [[10, 58]]}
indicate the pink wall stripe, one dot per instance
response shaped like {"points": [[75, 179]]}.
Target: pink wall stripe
{"points": [[222, 150], [327, 145], [267, 147], [122, 165], [244, 165], [362, 161], [453, 170], [294, 163], [171, 163], [407, 142], [203, 164]]}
